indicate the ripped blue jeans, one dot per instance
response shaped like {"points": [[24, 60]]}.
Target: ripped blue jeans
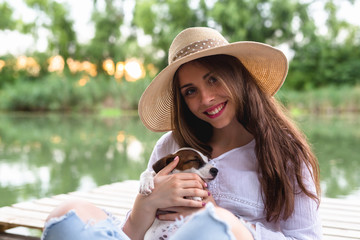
{"points": [[71, 227]]}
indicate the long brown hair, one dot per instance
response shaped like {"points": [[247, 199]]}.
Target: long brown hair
{"points": [[281, 148]]}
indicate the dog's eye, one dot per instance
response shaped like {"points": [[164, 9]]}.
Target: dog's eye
{"points": [[192, 161]]}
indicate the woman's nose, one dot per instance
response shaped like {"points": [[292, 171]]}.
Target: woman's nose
{"points": [[207, 96]]}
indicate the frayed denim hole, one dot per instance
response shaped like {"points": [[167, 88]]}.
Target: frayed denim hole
{"points": [[50, 223], [113, 219], [110, 233], [90, 223]]}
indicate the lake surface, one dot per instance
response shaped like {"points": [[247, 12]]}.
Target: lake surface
{"points": [[43, 155]]}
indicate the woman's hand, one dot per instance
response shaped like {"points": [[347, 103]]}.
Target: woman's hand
{"points": [[170, 190], [173, 213]]}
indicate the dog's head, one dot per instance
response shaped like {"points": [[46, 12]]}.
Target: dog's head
{"points": [[190, 160]]}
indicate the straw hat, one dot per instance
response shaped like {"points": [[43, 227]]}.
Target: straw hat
{"points": [[266, 64]]}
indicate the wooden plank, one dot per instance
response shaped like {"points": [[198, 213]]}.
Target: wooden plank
{"points": [[325, 237], [350, 208], [336, 201], [341, 225], [92, 195], [8, 236], [34, 206], [344, 233], [102, 203], [21, 212], [340, 218]]}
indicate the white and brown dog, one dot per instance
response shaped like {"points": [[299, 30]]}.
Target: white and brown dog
{"points": [[191, 161]]}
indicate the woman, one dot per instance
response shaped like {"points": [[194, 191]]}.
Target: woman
{"points": [[218, 98]]}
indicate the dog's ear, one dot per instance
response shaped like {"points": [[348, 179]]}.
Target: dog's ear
{"points": [[163, 162]]}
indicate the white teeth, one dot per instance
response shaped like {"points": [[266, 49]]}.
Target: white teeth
{"points": [[216, 110]]}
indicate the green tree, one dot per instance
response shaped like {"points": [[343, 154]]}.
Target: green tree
{"points": [[330, 59], [257, 20], [162, 20], [106, 42], [8, 22], [62, 39]]}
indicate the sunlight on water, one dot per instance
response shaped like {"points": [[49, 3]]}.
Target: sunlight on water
{"points": [[19, 174]]}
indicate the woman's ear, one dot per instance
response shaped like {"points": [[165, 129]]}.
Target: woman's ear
{"points": [[163, 162]]}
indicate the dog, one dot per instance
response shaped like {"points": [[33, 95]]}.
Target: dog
{"points": [[190, 161]]}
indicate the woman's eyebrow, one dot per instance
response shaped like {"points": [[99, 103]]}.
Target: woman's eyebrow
{"points": [[206, 75], [186, 85], [189, 84]]}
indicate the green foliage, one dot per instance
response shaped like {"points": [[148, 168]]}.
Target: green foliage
{"points": [[56, 92], [63, 38], [258, 20], [325, 100], [319, 60], [164, 19], [323, 63], [9, 74], [6, 20], [106, 42]]}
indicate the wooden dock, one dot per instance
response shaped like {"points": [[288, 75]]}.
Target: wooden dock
{"points": [[340, 218]]}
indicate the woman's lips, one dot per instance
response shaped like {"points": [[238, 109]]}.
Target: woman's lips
{"points": [[215, 111]]}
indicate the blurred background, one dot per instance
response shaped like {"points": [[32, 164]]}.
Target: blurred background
{"points": [[72, 72]]}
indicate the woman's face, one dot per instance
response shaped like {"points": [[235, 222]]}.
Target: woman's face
{"points": [[205, 95]]}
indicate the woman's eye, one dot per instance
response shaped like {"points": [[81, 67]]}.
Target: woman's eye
{"points": [[189, 91], [212, 80]]}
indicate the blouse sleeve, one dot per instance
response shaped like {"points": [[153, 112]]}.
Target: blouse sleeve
{"points": [[304, 223], [164, 146]]}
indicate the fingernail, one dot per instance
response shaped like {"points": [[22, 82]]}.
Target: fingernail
{"points": [[209, 193], [206, 185], [203, 204]]}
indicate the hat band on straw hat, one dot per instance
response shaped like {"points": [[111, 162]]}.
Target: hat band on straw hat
{"points": [[198, 46]]}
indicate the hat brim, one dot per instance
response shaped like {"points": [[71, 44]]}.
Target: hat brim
{"points": [[266, 64]]}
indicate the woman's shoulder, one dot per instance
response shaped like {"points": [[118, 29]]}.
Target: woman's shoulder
{"points": [[166, 139], [166, 144]]}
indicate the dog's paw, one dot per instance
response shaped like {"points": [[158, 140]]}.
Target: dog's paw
{"points": [[197, 198], [146, 182]]}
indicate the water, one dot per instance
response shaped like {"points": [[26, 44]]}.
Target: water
{"points": [[44, 155]]}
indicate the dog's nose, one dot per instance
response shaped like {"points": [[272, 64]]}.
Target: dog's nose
{"points": [[213, 171]]}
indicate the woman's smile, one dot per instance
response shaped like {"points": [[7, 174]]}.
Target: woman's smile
{"points": [[216, 111]]}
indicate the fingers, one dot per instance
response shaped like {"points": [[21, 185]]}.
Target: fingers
{"points": [[188, 180], [209, 199], [166, 170], [193, 192]]}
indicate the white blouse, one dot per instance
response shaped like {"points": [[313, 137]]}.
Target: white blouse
{"points": [[237, 189]]}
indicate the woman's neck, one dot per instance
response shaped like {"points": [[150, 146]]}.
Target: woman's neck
{"points": [[232, 136]]}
